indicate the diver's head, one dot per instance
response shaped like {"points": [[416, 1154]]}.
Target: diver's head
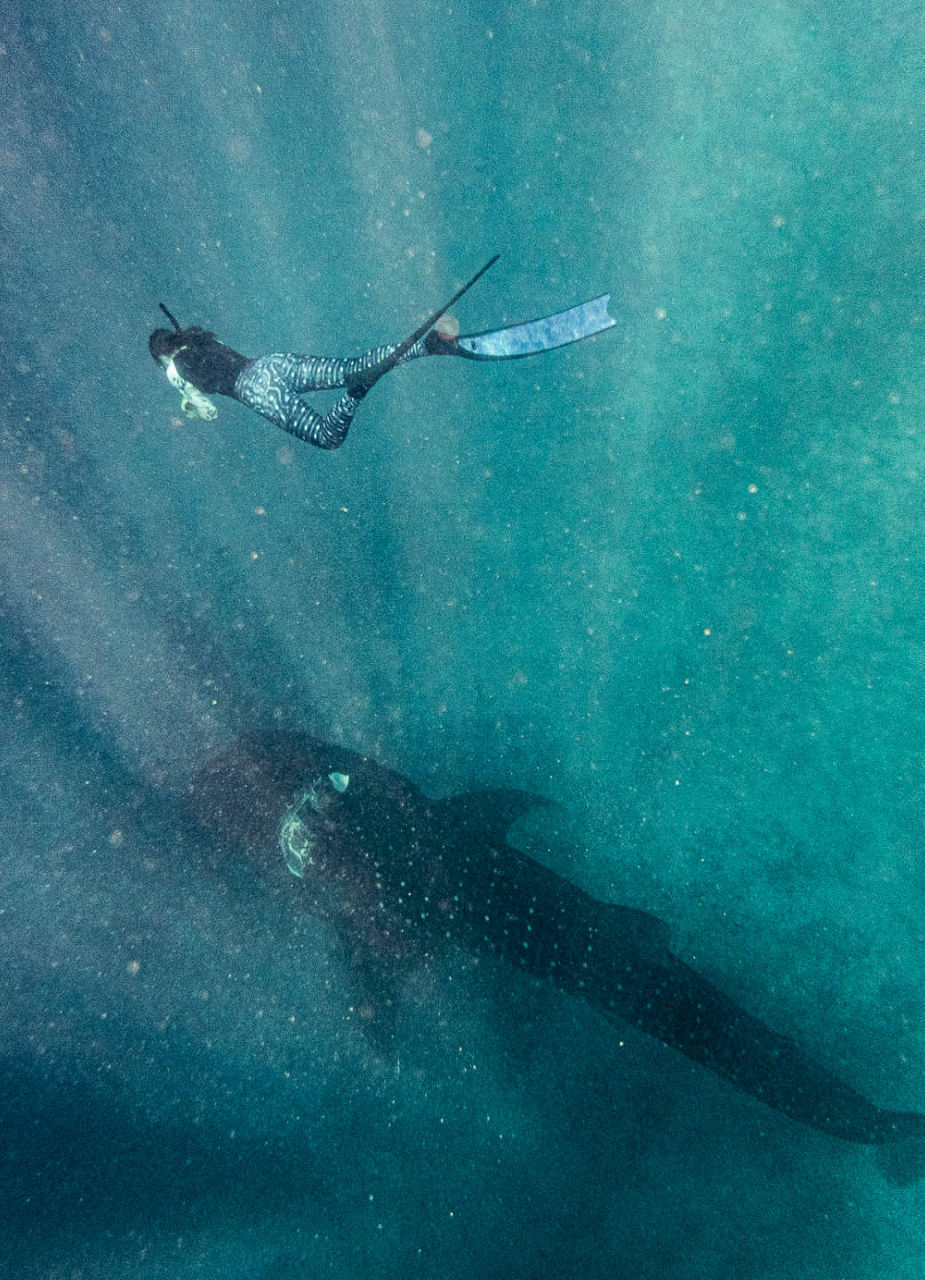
{"points": [[164, 343]]}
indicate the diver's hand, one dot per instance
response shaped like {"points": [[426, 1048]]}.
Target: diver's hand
{"points": [[199, 408]]}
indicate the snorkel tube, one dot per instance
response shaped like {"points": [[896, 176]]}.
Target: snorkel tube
{"points": [[172, 318]]}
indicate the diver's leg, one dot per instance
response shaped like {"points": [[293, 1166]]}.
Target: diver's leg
{"points": [[359, 374], [262, 386], [325, 373]]}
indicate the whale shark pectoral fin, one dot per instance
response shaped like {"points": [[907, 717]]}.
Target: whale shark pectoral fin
{"points": [[483, 815], [375, 983]]}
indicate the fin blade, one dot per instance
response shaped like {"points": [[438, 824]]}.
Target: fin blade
{"points": [[544, 334]]}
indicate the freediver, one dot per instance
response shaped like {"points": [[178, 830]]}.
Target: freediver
{"points": [[198, 365]]}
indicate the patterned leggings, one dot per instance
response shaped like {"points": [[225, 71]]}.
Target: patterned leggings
{"points": [[272, 385]]}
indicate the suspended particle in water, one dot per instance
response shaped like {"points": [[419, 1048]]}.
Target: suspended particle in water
{"points": [[449, 325], [239, 148]]}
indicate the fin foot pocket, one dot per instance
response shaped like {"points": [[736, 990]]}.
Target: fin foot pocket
{"points": [[359, 385]]}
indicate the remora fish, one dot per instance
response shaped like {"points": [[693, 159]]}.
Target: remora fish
{"points": [[400, 875]]}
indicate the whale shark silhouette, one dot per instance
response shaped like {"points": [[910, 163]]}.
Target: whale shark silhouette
{"points": [[400, 876]]}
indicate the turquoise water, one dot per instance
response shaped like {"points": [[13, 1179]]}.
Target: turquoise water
{"points": [[669, 578]]}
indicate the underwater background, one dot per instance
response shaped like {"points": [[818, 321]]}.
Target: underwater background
{"points": [[670, 577]]}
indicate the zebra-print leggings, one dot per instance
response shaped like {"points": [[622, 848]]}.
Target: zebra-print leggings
{"points": [[272, 385]]}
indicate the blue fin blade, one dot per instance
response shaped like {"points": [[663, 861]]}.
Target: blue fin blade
{"points": [[544, 334]]}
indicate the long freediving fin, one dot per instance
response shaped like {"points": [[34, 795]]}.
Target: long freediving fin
{"points": [[544, 334]]}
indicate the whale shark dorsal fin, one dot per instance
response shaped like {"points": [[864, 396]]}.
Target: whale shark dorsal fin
{"points": [[487, 815]]}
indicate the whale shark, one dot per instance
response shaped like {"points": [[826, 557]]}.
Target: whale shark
{"points": [[401, 876]]}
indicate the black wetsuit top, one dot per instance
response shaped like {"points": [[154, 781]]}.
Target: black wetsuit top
{"points": [[209, 365]]}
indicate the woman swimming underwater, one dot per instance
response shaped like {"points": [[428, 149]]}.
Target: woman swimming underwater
{"points": [[198, 365]]}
